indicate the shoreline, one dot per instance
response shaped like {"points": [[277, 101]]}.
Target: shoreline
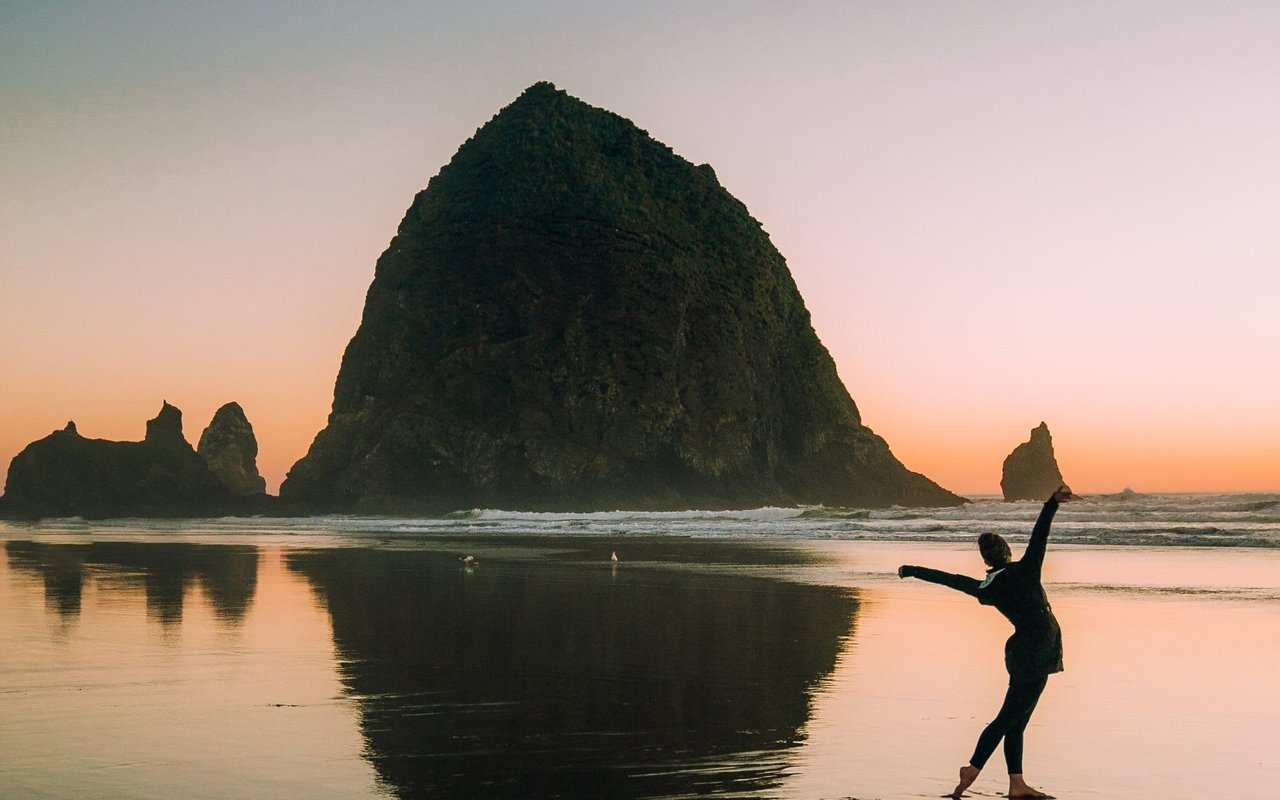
{"points": [[1240, 521]]}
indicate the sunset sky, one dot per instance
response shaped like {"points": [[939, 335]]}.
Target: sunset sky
{"points": [[997, 212]]}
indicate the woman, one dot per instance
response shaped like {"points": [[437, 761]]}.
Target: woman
{"points": [[1033, 652]]}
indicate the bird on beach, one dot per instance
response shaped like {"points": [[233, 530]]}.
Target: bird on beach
{"points": [[614, 556], [470, 562]]}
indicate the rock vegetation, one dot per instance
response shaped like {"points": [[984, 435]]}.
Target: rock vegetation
{"points": [[572, 317]]}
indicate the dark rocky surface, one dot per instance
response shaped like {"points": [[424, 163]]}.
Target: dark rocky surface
{"points": [[570, 317], [230, 449], [1031, 472], [66, 474]]}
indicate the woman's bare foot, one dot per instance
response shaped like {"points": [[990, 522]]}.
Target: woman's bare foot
{"points": [[968, 774], [1019, 788]]}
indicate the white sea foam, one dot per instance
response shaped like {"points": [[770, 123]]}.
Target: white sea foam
{"points": [[760, 514]]}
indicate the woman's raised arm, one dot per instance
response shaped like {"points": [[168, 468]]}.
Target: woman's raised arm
{"points": [[1040, 533]]}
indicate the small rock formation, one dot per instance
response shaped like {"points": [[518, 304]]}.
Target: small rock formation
{"points": [[166, 428], [572, 317], [1124, 495], [1030, 471], [230, 449], [66, 474]]}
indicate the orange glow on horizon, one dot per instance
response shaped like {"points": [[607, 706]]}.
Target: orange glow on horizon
{"points": [[1093, 461], [966, 462]]}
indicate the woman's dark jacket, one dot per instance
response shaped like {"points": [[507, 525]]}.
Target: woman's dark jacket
{"points": [[1035, 648]]}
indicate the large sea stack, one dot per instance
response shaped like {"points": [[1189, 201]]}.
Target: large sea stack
{"points": [[1031, 472], [572, 317]]}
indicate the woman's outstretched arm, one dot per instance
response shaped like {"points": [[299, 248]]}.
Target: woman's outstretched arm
{"points": [[961, 583], [1039, 541]]}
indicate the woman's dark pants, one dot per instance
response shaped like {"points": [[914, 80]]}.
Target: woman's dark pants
{"points": [[1009, 724]]}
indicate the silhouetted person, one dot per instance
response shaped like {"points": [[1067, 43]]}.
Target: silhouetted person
{"points": [[1032, 653]]}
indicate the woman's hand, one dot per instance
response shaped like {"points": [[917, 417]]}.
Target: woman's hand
{"points": [[1063, 494]]}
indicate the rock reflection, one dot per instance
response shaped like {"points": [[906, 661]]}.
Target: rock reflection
{"points": [[61, 567], [228, 575], [555, 680]]}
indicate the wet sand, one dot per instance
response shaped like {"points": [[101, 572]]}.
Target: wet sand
{"points": [[692, 668], [1165, 694]]}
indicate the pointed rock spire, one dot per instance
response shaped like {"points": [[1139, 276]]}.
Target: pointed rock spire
{"points": [[166, 427], [1031, 471], [230, 449]]}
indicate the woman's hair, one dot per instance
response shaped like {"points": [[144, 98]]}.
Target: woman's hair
{"points": [[994, 549]]}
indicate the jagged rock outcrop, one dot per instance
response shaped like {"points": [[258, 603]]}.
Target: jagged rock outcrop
{"points": [[230, 449], [1031, 472], [66, 474], [571, 316], [165, 429]]}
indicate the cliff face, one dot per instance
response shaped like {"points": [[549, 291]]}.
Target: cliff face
{"points": [[573, 317], [230, 449], [66, 474], [1031, 472]]}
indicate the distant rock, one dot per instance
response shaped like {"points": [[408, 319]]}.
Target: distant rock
{"points": [[573, 317], [1031, 471], [1127, 493], [66, 474], [230, 449]]}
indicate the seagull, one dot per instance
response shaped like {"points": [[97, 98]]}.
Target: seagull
{"points": [[469, 562], [614, 556]]}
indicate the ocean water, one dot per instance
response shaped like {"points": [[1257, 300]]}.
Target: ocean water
{"points": [[767, 653], [1155, 520]]}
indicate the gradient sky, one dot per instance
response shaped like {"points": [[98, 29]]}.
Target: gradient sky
{"points": [[997, 212]]}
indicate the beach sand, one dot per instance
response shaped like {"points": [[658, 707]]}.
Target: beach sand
{"points": [[691, 668], [1170, 694]]}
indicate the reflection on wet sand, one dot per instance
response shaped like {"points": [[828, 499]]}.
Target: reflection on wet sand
{"points": [[568, 680], [228, 575], [170, 670], [545, 671]]}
